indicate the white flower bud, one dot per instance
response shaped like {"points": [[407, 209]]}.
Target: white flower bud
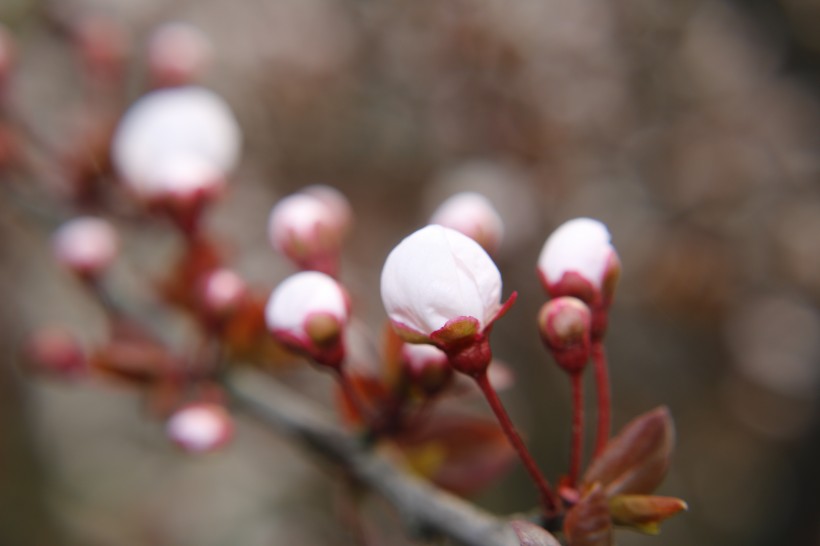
{"points": [[308, 227], [578, 260], [439, 286], [86, 245], [177, 54], [189, 132], [473, 215], [200, 427], [222, 291], [426, 366], [308, 312]]}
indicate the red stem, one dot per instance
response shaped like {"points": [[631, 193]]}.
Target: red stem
{"points": [[350, 395], [604, 401], [577, 449], [549, 500]]}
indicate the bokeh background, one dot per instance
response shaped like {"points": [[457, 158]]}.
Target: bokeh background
{"points": [[689, 127]]}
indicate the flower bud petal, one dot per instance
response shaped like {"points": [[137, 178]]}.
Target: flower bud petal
{"points": [[473, 215], [222, 291], [200, 427], [438, 275], [86, 245], [177, 54], [578, 260], [164, 125]]}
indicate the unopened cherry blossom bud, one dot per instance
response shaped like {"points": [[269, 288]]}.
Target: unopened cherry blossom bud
{"points": [[86, 245], [176, 141], [565, 325], [426, 366], [579, 260], [103, 46], [308, 228], [222, 292], [473, 215], [200, 427], [308, 312], [439, 286], [178, 53], [54, 352]]}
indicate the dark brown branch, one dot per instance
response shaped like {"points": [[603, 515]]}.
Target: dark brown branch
{"points": [[424, 508]]}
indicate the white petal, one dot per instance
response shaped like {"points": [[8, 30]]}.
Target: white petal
{"points": [[86, 242], [295, 217], [182, 121], [473, 215], [437, 274], [301, 295], [580, 245]]}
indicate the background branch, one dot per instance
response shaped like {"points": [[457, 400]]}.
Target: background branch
{"points": [[425, 509]]}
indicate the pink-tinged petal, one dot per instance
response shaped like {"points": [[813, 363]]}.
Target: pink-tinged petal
{"points": [[473, 215]]}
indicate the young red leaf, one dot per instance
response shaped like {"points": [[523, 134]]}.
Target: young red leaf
{"points": [[644, 512], [636, 460], [588, 523], [459, 453], [530, 534]]}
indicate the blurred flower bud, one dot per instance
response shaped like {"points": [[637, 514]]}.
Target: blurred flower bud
{"points": [[565, 324], [308, 312], [178, 141], [86, 245], [473, 215], [178, 54], [103, 46], [222, 292], [426, 366], [308, 228], [54, 352], [8, 55], [439, 286], [200, 427]]}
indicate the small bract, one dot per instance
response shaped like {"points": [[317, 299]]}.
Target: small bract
{"points": [[86, 245], [473, 215], [168, 127]]}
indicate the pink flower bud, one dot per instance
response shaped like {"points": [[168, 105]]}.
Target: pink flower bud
{"points": [[86, 245], [473, 215], [54, 352], [222, 292], [426, 366], [578, 260], [565, 325], [103, 46], [308, 312], [8, 55], [177, 140], [200, 427], [309, 227], [178, 53], [439, 286]]}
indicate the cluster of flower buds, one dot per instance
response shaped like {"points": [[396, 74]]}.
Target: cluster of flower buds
{"points": [[176, 147], [309, 227], [86, 245], [308, 312]]}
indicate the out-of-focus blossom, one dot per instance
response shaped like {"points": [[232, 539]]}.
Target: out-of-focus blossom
{"points": [[200, 427], [309, 227], [8, 55], [86, 245], [103, 46], [473, 215], [426, 366], [222, 291], [178, 53], [54, 352], [308, 312], [579, 260], [175, 141]]}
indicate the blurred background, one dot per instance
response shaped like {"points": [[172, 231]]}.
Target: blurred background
{"points": [[689, 127]]}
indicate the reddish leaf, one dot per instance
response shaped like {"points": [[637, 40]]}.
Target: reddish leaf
{"points": [[588, 523], [644, 512], [459, 453], [636, 460], [530, 534]]}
